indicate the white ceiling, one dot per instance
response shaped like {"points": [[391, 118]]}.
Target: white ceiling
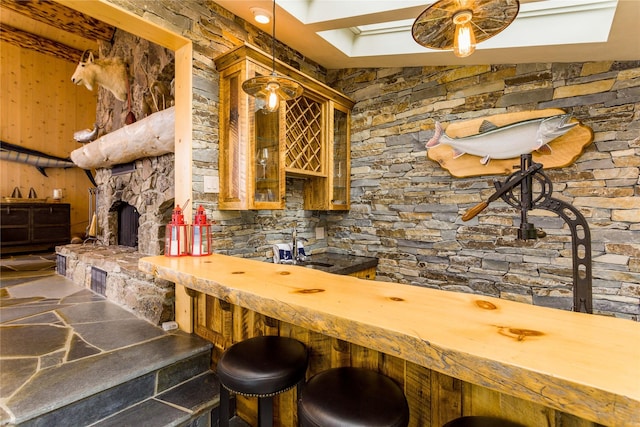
{"points": [[336, 33]]}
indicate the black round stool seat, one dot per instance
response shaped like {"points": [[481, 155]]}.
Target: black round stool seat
{"points": [[481, 421], [345, 397], [263, 365]]}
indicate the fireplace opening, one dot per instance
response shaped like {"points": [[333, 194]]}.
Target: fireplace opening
{"points": [[128, 223]]}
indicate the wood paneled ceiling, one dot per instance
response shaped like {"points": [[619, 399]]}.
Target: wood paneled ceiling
{"points": [[51, 28]]}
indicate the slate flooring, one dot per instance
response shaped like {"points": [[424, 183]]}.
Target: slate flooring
{"points": [[61, 344]]}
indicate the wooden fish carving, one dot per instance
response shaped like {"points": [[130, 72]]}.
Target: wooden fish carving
{"points": [[506, 142]]}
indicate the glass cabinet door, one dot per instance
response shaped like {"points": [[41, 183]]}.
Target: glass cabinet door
{"points": [[251, 141], [268, 179], [341, 160], [234, 154]]}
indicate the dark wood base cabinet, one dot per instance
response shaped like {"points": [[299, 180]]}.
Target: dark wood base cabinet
{"points": [[30, 227]]}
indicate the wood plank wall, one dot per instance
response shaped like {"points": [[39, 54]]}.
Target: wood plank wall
{"points": [[434, 398], [40, 109]]}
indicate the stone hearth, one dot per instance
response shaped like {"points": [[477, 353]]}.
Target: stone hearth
{"points": [[144, 295]]}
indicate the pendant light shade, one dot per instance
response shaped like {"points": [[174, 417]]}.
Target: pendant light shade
{"points": [[460, 24], [273, 88]]}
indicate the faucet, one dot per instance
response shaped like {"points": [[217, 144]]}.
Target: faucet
{"points": [[294, 243], [295, 252]]}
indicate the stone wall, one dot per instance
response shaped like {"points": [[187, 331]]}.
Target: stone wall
{"points": [[406, 209], [149, 187], [151, 71]]}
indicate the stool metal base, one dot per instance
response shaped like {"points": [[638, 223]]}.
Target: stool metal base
{"points": [[265, 409]]}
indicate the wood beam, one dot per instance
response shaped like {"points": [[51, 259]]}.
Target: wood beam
{"points": [[151, 136], [62, 17], [26, 40]]}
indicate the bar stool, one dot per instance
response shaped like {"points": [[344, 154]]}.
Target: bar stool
{"points": [[481, 421], [260, 367], [349, 397]]}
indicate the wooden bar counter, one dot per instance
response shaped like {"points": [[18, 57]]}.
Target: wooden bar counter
{"points": [[454, 353]]}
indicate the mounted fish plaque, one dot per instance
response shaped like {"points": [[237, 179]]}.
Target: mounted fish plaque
{"points": [[493, 145]]}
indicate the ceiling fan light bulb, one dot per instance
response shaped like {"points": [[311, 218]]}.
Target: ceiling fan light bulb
{"points": [[464, 39]]}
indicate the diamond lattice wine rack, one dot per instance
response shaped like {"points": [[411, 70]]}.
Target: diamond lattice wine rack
{"points": [[305, 150]]}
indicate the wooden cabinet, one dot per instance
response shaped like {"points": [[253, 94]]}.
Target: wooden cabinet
{"points": [[368, 274], [34, 226], [308, 138]]}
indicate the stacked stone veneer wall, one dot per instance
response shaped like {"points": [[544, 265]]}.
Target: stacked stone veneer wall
{"points": [[406, 209]]}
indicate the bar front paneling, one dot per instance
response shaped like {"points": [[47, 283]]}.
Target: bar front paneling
{"points": [[434, 398]]}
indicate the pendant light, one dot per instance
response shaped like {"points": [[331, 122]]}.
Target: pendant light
{"points": [[460, 24], [273, 88]]}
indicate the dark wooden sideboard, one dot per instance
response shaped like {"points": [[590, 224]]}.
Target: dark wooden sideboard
{"points": [[27, 227]]}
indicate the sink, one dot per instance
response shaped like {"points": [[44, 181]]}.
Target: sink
{"points": [[309, 264], [314, 264], [334, 263]]}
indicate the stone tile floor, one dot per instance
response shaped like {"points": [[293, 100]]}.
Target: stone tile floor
{"points": [[60, 343]]}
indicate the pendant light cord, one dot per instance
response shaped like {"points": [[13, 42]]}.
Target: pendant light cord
{"points": [[273, 41]]}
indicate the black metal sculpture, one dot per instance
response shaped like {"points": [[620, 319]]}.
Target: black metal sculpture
{"points": [[525, 201]]}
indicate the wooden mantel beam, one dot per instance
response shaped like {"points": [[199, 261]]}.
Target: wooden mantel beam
{"points": [[31, 41], [62, 17]]}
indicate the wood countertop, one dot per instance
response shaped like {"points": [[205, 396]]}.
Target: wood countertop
{"points": [[582, 364]]}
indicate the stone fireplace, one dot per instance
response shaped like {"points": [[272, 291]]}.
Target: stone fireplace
{"points": [[134, 197], [145, 193]]}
